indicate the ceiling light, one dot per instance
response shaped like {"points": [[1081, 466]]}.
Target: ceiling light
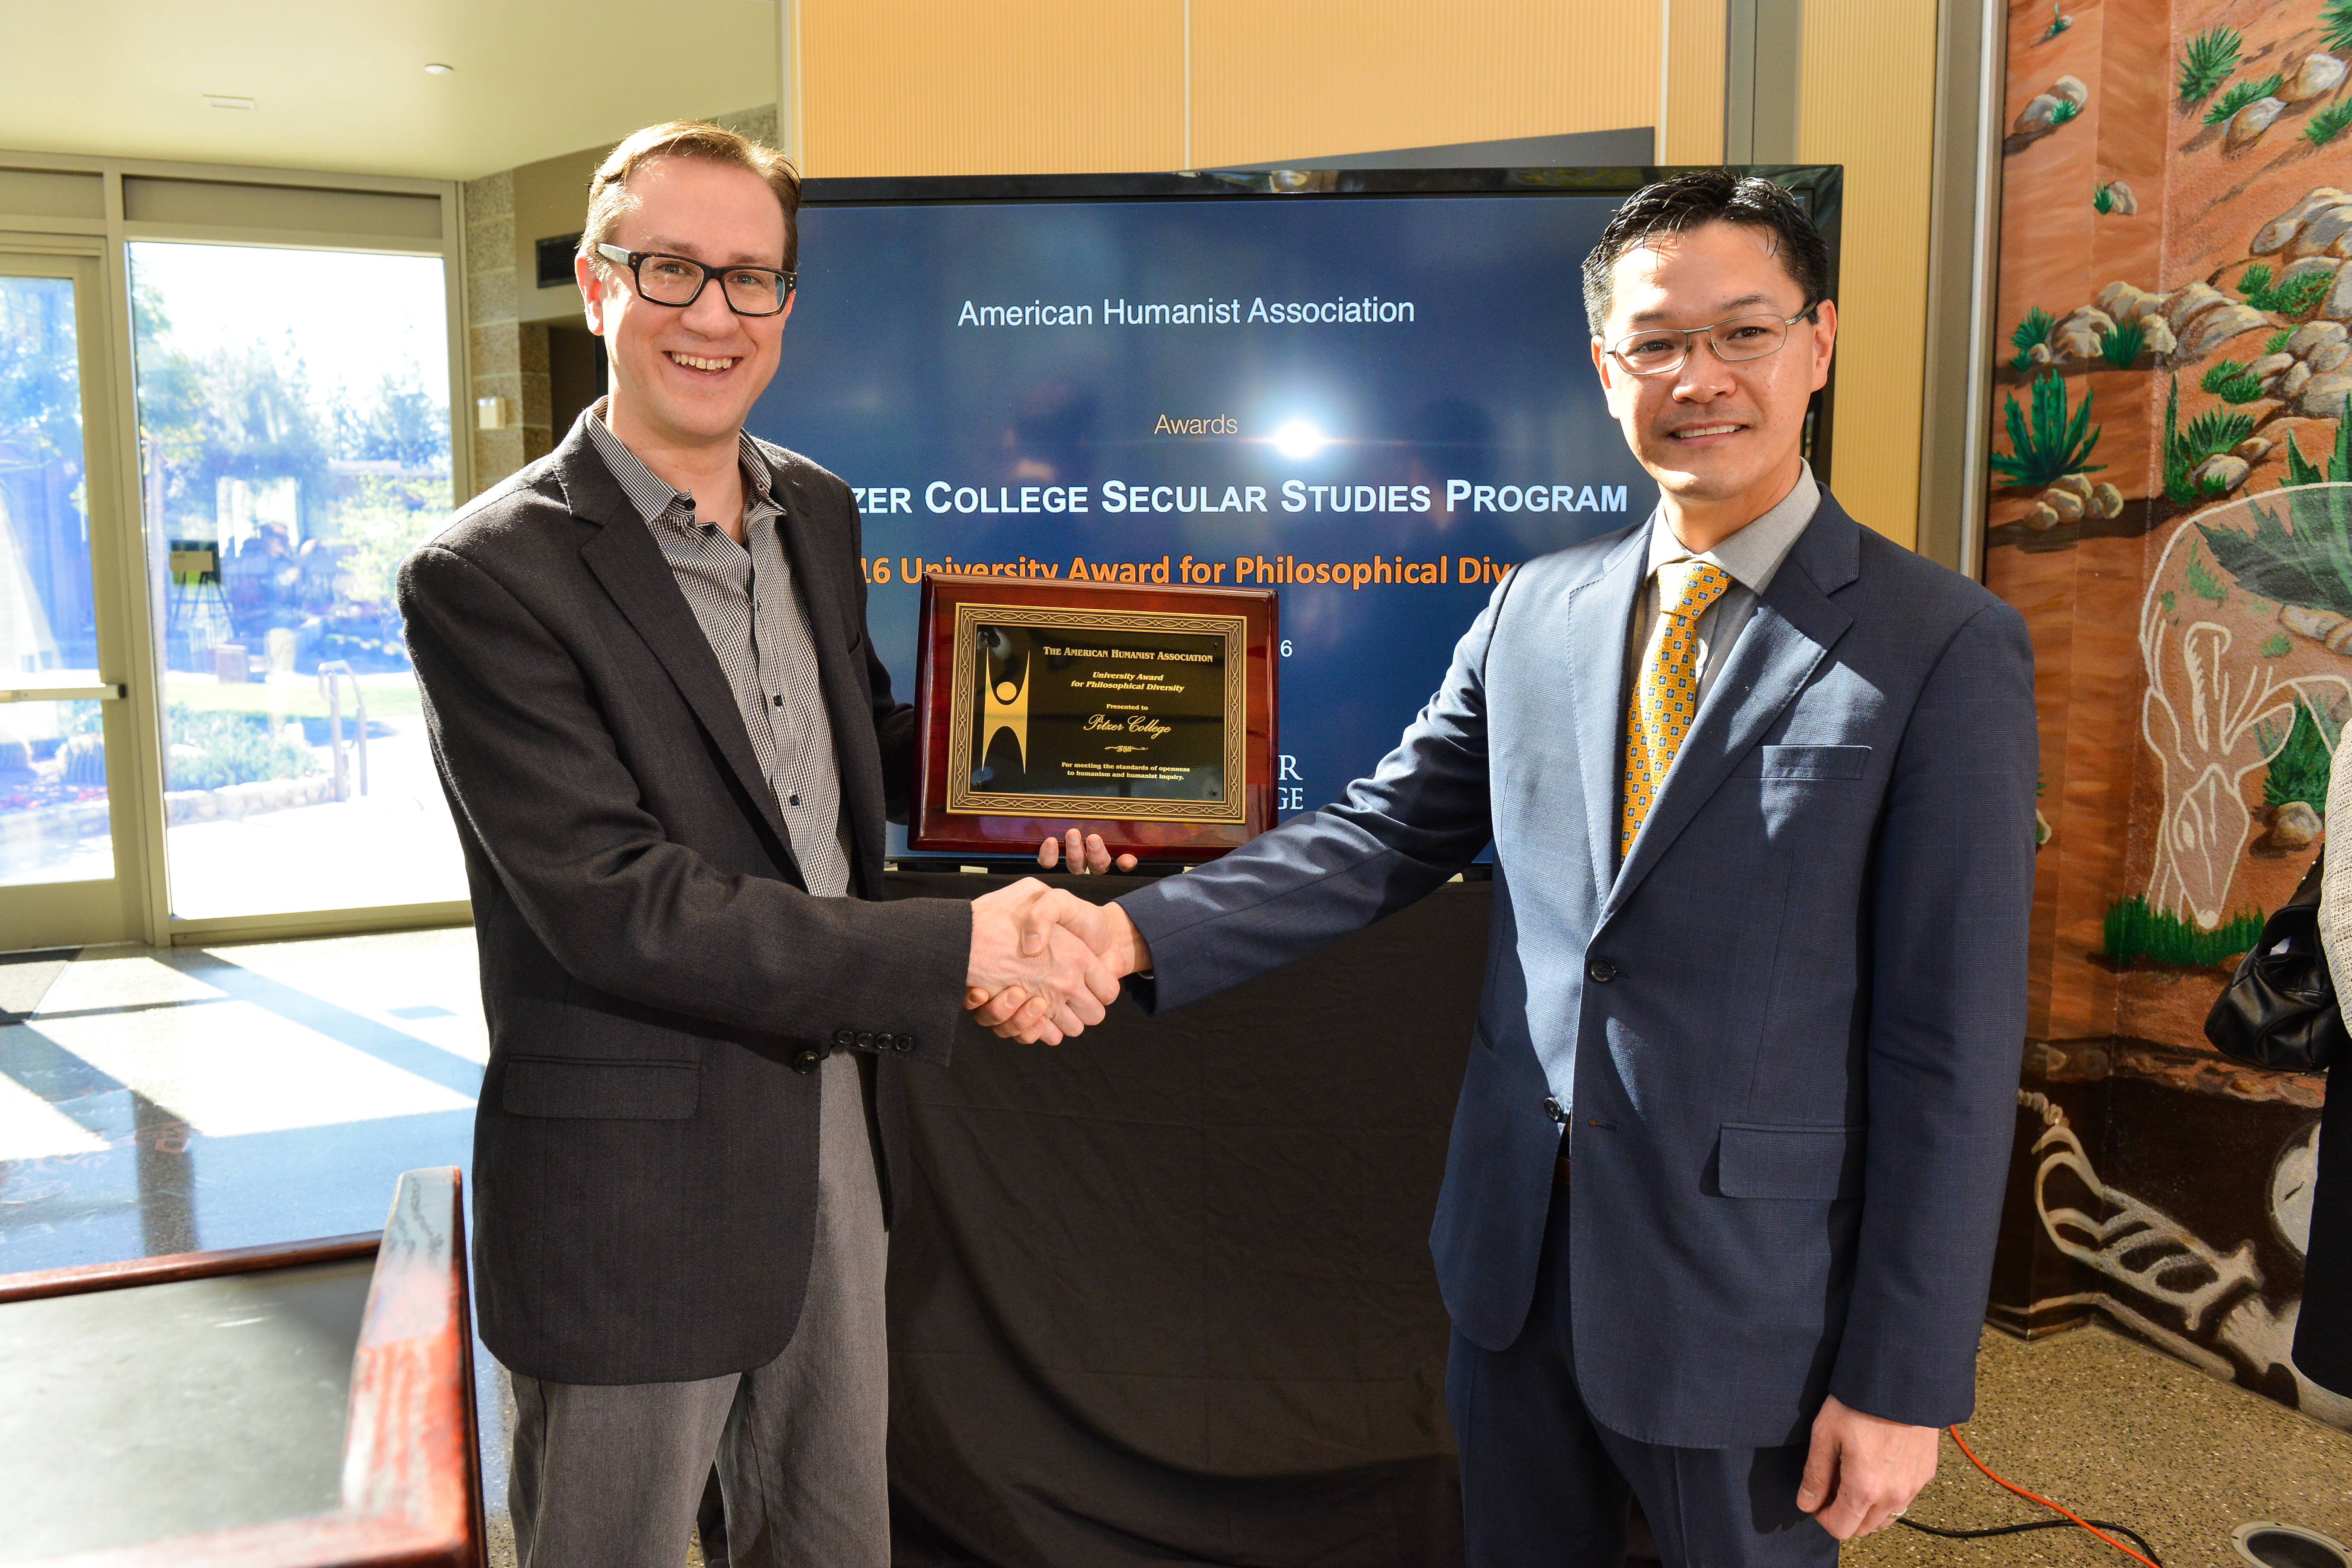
{"points": [[221, 100], [437, 69]]}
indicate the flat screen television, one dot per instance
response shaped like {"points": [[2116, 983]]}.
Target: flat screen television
{"points": [[1371, 390]]}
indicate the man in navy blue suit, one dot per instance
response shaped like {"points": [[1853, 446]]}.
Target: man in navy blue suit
{"points": [[1719, 1214]]}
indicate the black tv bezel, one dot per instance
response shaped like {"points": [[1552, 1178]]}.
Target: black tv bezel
{"points": [[1822, 186]]}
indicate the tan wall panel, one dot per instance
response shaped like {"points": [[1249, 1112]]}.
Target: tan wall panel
{"points": [[358, 214], [1287, 79], [1690, 120], [1868, 102], [955, 87], [43, 193]]}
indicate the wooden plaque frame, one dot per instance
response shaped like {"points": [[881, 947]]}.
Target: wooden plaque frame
{"points": [[945, 814]]}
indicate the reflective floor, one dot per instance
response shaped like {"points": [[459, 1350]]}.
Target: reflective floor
{"points": [[183, 1100], [157, 1100]]}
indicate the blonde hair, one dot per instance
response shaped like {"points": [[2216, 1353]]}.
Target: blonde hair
{"points": [[608, 190]]}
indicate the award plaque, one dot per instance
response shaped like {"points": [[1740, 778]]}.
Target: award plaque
{"points": [[1145, 714]]}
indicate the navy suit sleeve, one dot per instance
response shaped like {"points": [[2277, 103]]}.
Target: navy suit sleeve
{"points": [[1420, 817], [1951, 898]]}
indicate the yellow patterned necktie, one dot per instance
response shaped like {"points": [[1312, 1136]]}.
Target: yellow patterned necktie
{"points": [[1665, 695]]}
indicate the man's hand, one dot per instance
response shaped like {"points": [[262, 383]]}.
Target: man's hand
{"points": [[1863, 1471], [1062, 984], [1059, 916], [1087, 858]]}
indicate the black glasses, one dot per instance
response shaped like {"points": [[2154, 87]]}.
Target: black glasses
{"points": [[677, 280], [1654, 351]]}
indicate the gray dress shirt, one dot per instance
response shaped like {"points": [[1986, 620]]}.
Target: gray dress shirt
{"points": [[1750, 558], [744, 599]]}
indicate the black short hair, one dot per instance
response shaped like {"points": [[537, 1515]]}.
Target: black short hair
{"points": [[1703, 196]]}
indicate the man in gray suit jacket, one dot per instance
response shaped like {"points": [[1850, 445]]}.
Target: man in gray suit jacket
{"points": [[670, 751], [1718, 1213]]}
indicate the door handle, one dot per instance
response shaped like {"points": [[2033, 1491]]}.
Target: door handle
{"points": [[96, 691]]}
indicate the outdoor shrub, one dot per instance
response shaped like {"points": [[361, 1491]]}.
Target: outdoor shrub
{"points": [[2206, 62], [2231, 381], [2134, 931], [2335, 25], [2067, 109], [2120, 346], [2328, 124], [2103, 199], [2240, 95], [231, 748], [2053, 444], [82, 761], [2277, 343], [2278, 644]]}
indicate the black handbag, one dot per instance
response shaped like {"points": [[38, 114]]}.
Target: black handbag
{"points": [[2279, 1010]]}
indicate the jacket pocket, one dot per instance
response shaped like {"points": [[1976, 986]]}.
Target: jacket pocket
{"points": [[1812, 1164], [1803, 762], [603, 1091]]}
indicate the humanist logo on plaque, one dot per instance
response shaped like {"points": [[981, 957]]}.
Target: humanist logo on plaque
{"points": [[1128, 711]]}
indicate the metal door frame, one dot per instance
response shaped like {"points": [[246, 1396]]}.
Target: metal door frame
{"points": [[83, 225]]}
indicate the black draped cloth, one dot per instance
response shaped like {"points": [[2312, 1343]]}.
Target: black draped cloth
{"points": [[1164, 1294], [2323, 1329]]}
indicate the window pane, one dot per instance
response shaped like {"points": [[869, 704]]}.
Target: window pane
{"points": [[53, 812], [294, 428]]}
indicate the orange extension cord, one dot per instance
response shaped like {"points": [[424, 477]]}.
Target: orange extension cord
{"points": [[2045, 1503]]}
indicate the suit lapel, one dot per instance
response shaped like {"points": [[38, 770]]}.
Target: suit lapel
{"points": [[1598, 612], [1788, 634], [847, 710], [631, 566]]}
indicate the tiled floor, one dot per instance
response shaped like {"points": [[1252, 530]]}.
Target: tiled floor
{"points": [[183, 1099], [157, 1101]]}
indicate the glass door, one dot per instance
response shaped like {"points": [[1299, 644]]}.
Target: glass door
{"points": [[294, 445], [68, 855]]}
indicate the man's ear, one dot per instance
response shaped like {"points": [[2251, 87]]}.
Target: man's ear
{"points": [[1825, 325], [594, 292]]}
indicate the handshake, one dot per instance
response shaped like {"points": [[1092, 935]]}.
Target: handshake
{"points": [[1045, 962]]}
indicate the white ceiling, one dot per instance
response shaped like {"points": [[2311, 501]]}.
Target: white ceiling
{"points": [[342, 86]]}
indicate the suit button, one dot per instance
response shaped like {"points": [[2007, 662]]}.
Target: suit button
{"points": [[1601, 970], [1553, 1110], [844, 1039], [883, 1042], [904, 1043], [865, 1039], [807, 1061]]}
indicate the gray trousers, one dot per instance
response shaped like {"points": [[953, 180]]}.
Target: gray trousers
{"points": [[609, 1477]]}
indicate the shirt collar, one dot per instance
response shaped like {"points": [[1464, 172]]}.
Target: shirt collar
{"points": [[1753, 555], [652, 495]]}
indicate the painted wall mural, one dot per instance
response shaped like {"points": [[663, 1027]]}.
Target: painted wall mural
{"points": [[2171, 509]]}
